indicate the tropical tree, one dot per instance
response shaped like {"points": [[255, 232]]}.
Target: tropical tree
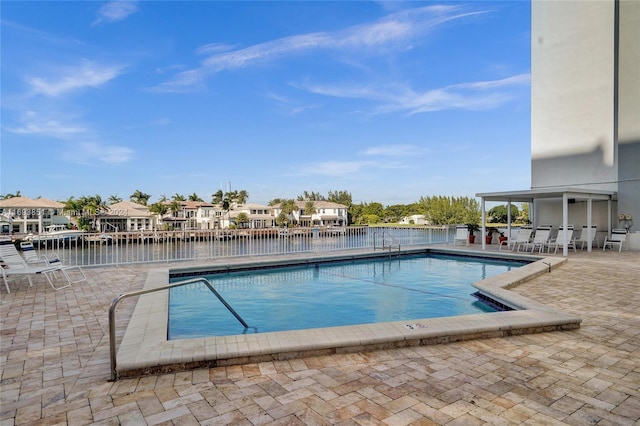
{"points": [[140, 197], [178, 197], [10, 195], [243, 196], [160, 208], [223, 200], [445, 210], [114, 199], [311, 196], [275, 201], [287, 207], [499, 214], [194, 197], [175, 206], [309, 210], [340, 197], [242, 219]]}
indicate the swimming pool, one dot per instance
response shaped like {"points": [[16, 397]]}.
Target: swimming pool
{"points": [[334, 294]]}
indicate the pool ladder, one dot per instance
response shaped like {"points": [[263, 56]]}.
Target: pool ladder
{"points": [[385, 237], [117, 299]]}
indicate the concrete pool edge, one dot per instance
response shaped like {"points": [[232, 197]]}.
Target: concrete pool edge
{"points": [[145, 349]]}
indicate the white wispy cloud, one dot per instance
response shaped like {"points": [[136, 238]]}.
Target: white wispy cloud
{"points": [[115, 11], [480, 95], [33, 123], [72, 78], [397, 30], [333, 168], [91, 153], [401, 150], [73, 148]]}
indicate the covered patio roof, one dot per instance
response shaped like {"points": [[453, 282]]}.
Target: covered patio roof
{"points": [[527, 196], [563, 193]]}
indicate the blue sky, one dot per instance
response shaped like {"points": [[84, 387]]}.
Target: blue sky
{"points": [[389, 101]]}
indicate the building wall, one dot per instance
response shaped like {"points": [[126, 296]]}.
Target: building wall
{"points": [[585, 103], [572, 94], [629, 110]]}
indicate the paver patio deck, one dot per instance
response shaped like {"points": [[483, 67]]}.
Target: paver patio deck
{"points": [[55, 365]]}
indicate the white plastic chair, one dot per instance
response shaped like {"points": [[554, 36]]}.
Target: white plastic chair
{"points": [[559, 240], [618, 236], [462, 234], [33, 259], [522, 237], [540, 239], [583, 239]]}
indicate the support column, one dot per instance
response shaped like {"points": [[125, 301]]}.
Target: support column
{"points": [[484, 230], [565, 219], [589, 219]]}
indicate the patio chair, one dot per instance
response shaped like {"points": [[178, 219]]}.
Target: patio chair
{"points": [[14, 265], [583, 239], [540, 239], [618, 236], [462, 234], [559, 239], [522, 237], [33, 259]]}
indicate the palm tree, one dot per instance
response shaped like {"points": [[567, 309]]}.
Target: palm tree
{"points": [[9, 195], [178, 197], [159, 208], [114, 199], [242, 196], [140, 197], [223, 200], [309, 210], [175, 207], [195, 197], [287, 207]]}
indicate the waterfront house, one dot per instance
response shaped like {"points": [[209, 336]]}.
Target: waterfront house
{"points": [[326, 213], [126, 216], [260, 216], [24, 215], [415, 219], [191, 215]]}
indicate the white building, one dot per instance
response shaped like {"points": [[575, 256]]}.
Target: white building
{"points": [[126, 216], [415, 219], [259, 216], [24, 215], [585, 116], [325, 213], [191, 215]]}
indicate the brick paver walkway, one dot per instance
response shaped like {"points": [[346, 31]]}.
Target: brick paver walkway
{"points": [[55, 366]]}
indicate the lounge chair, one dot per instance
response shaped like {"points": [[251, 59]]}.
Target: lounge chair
{"points": [[540, 239], [14, 265], [522, 237], [583, 240], [618, 236], [33, 259], [559, 240], [462, 234]]}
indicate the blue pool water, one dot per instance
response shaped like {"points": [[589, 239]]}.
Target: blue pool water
{"points": [[334, 294]]}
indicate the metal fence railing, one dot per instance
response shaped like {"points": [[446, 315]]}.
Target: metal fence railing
{"points": [[115, 248]]}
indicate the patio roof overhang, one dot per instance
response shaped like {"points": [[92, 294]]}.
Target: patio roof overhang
{"points": [[563, 193], [529, 195]]}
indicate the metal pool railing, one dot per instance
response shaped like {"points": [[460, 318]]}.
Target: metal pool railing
{"points": [[117, 299], [117, 248]]}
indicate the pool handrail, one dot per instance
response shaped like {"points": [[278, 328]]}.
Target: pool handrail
{"points": [[118, 298]]}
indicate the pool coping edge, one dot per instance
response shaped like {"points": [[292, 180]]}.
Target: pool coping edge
{"points": [[144, 348]]}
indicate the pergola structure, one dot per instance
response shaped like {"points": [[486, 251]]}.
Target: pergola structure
{"points": [[564, 193]]}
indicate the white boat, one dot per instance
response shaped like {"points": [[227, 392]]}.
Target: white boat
{"points": [[56, 233], [99, 238]]}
